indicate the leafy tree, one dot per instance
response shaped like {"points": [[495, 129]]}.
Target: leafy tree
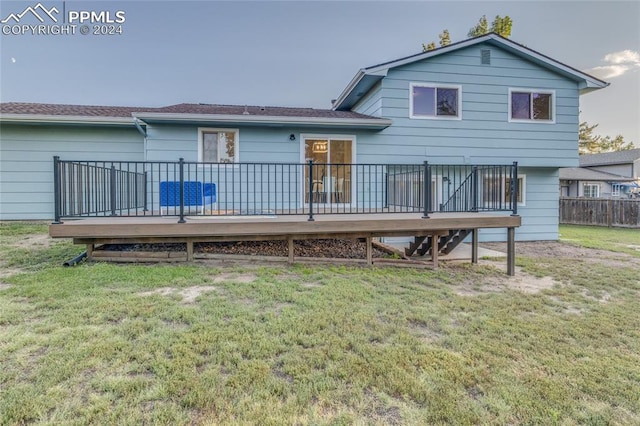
{"points": [[481, 28], [589, 143], [427, 47], [500, 25], [445, 39]]}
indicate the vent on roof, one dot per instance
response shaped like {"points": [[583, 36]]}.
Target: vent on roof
{"points": [[485, 57]]}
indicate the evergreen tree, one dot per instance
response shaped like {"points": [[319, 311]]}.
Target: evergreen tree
{"points": [[481, 28], [445, 39], [500, 25], [589, 143]]}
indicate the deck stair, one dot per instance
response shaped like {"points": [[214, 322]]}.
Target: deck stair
{"points": [[446, 243]]}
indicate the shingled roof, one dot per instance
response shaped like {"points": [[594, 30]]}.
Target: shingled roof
{"points": [[271, 111], [608, 158], [578, 173], [23, 108]]}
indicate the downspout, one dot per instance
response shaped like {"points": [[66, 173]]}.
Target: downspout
{"points": [[143, 132]]}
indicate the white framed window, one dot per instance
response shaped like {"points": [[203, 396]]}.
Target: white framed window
{"points": [[591, 190], [497, 190], [615, 190], [532, 105], [218, 145], [522, 184], [435, 101]]}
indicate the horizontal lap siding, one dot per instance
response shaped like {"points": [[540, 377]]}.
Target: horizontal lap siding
{"points": [[257, 144], [371, 103], [540, 212], [484, 135], [26, 161]]}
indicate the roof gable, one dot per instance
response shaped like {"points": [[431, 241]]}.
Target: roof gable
{"points": [[367, 77]]}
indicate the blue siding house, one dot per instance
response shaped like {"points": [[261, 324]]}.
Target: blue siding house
{"points": [[482, 101]]}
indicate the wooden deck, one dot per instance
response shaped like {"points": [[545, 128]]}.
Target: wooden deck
{"points": [[123, 230]]}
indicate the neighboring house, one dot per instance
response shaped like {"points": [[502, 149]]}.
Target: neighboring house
{"points": [[486, 100], [589, 183], [605, 175], [622, 163]]}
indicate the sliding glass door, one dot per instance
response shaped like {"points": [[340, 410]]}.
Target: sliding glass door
{"points": [[332, 158]]}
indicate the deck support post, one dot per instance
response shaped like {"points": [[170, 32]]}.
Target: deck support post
{"points": [[90, 248], [189, 250], [435, 248], [181, 191], [291, 249], [369, 251], [511, 251], [474, 246]]}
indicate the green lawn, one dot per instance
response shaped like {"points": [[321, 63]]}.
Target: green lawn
{"points": [[200, 344], [619, 240]]}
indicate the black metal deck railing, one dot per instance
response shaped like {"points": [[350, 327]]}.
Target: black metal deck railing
{"points": [[182, 188]]}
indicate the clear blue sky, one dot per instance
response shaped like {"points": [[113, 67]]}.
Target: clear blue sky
{"points": [[303, 53]]}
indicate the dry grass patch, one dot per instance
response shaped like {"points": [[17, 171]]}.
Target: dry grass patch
{"points": [[187, 294], [235, 278], [522, 281]]}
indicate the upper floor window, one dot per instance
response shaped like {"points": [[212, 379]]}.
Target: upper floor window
{"points": [[435, 101], [531, 105], [218, 145]]}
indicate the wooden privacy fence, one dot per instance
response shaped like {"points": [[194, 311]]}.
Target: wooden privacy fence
{"points": [[600, 211]]}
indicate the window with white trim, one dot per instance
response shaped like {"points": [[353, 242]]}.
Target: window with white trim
{"points": [[218, 145], [521, 191], [435, 101], [591, 190], [531, 105], [497, 190], [615, 189]]}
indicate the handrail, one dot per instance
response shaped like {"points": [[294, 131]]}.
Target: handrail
{"points": [[134, 188]]}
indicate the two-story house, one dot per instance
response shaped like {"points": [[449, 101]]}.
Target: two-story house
{"points": [[485, 100]]}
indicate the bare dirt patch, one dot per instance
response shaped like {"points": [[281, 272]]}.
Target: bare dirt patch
{"points": [[188, 294], [4, 286], [522, 281], [34, 241], [235, 278], [557, 249], [7, 272]]}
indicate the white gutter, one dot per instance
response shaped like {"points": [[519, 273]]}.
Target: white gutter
{"points": [[64, 119], [265, 119]]}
